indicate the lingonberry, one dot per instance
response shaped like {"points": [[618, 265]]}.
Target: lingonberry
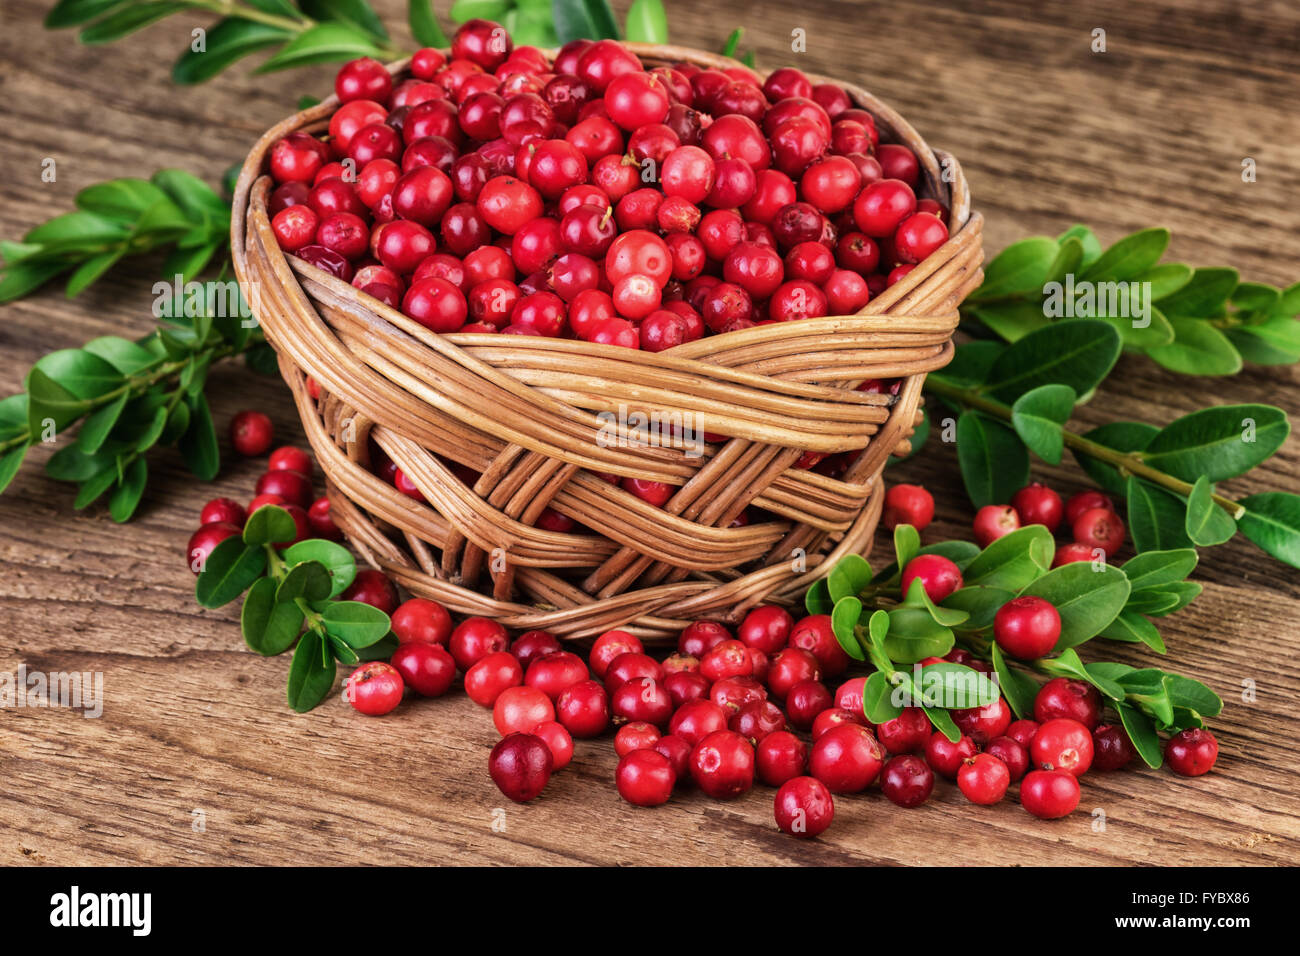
{"points": [[645, 778], [696, 719], [1022, 732], [791, 666], [766, 627], [463, 230], [733, 693], [676, 663], [423, 196], [289, 458], [295, 227], [421, 621], [756, 720], [848, 696], [1071, 552], [1099, 528], [846, 758], [1085, 501], [390, 295], [520, 709], [899, 162], [558, 741], [374, 588], [737, 136], [993, 522], [983, 779], [804, 807], [918, 236], [205, 540], [474, 639], [727, 659], [882, 205], [223, 511], [811, 261], [520, 765], [344, 124], [374, 688], [846, 292], [637, 735], [531, 645], [805, 701], [1049, 794], [1011, 753], [609, 646], [299, 156], [678, 753], [401, 245], [908, 504], [1063, 697], [815, 635], [937, 574], [292, 486], [1192, 752], [251, 433], [583, 708], [780, 757], [944, 756], [643, 699], [722, 765], [261, 501], [490, 675], [797, 299], [1038, 504], [684, 686], [1111, 748], [555, 673], [907, 781], [1062, 744], [631, 665], [833, 717], [426, 668], [1027, 627], [907, 733]]}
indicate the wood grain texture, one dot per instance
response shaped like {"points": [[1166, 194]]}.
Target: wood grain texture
{"points": [[1152, 131]]}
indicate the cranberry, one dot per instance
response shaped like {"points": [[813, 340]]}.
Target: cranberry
{"points": [[604, 60], [815, 263], [907, 733], [555, 673], [1063, 697], [583, 709], [223, 511], [815, 635], [426, 62], [1011, 753], [831, 184], [918, 236], [645, 778], [908, 504], [723, 765], [295, 227], [374, 688], [846, 292], [994, 521], [298, 157], [1063, 744], [1099, 528], [737, 136], [1071, 552], [520, 709], [1022, 732], [1111, 748], [426, 668], [520, 765], [474, 639], [1049, 794], [899, 162], [805, 701], [401, 245], [983, 779], [372, 587], [848, 696], [834, 717], [490, 675], [938, 575], [728, 659], [205, 540], [1038, 504], [696, 719], [558, 741], [609, 646], [482, 42], [733, 693], [637, 735], [804, 807], [686, 686], [631, 665], [946, 757], [780, 757], [678, 752], [251, 433], [420, 620], [791, 666], [1192, 752], [766, 627], [292, 486], [1085, 501], [643, 699], [1027, 627], [846, 758], [363, 79], [907, 781], [347, 120], [756, 720], [698, 638], [436, 304], [882, 205]]}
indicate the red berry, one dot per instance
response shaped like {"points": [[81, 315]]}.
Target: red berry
{"points": [[846, 758], [678, 753], [728, 659], [558, 741], [918, 236], [490, 675], [848, 696], [779, 757], [426, 668], [907, 781], [420, 620], [695, 720], [1071, 552], [1011, 753], [374, 588], [609, 646], [698, 638], [1192, 752], [583, 709], [1099, 528], [805, 701], [907, 733], [645, 778], [289, 458], [908, 504], [944, 756], [983, 779], [815, 635], [1085, 501], [223, 511], [474, 639], [1063, 697], [1111, 748], [994, 521], [631, 665], [644, 699], [1022, 732], [1027, 627], [520, 709], [251, 433], [482, 42], [520, 765], [1038, 504], [205, 540], [938, 575], [723, 765], [790, 667], [374, 688], [507, 204], [804, 807], [295, 227], [756, 720], [1062, 744], [882, 205], [1049, 794], [846, 292], [637, 735], [299, 156]]}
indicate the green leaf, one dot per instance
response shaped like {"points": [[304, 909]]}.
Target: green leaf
{"points": [[94, 430], [981, 604], [81, 374], [943, 723], [914, 635], [72, 463], [195, 198], [93, 488], [10, 462], [817, 599], [127, 496], [1157, 519], [849, 577], [228, 41], [1038, 417], [1184, 592], [947, 616], [337, 560], [1014, 560], [125, 356], [1087, 599], [323, 43], [1156, 332], [1087, 239], [357, 625], [1017, 687], [589, 19], [1130, 257], [647, 22], [1193, 695], [955, 687], [1068, 664], [1207, 523], [198, 445], [1166, 279], [1198, 349], [1078, 353], [907, 544], [1143, 735], [311, 674], [269, 627], [381, 650], [309, 581], [424, 25], [1256, 297], [71, 13], [231, 569], [23, 278], [1069, 258], [877, 704], [269, 524], [124, 22], [464, 10], [994, 462], [960, 553], [1272, 521], [1219, 443], [1274, 341], [1203, 296], [1021, 269], [844, 622], [1147, 690], [1157, 569], [1121, 436], [357, 14], [121, 199], [732, 42], [1012, 319], [971, 362]]}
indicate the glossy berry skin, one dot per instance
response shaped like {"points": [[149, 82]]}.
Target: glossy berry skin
{"points": [[609, 646], [553, 674], [426, 668], [756, 720], [779, 757], [422, 621], [474, 639], [686, 686], [645, 778], [520, 709], [374, 688], [938, 575], [699, 638], [1049, 794], [1071, 552], [945, 757], [804, 808], [1111, 748], [1011, 753], [815, 635], [848, 696], [558, 741], [907, 781], [1192, 752], [289, 485], [1099, 528], [1038, 504], [728, 659], [1085, 501], [372, 587], [791, 666], [489, 676], [289, 458], [1027, 627], [722, 765], [644, 699], [983, 779], [678, 753], [696, 719], [251, 433], [918, 236], [205, 540], [636, 735], [766, 628], [1062, 744], [907, 733], [531, 645], [846, 758], [223, 511], [908, 504], [583, 709], [1023, 731], [982, 724], [993, 522], [1063, 697], [882, 205], [805, 701], [520, 765], [834, 717], [632, 665]]}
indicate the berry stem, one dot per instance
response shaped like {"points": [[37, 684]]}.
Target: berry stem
{"points": [[1128, 463]]}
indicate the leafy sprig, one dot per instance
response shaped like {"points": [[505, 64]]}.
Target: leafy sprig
{"points": [[1202, 321], [291, 598], [875, 622], [1011, 400]]}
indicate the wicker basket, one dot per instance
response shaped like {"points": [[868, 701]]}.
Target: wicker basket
{"points": [[523, 412]]}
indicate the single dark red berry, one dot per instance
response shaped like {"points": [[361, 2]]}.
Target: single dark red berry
{"points": [[1064, 697], [426, 668], [1038, 504], [1049, 794], [583, 709], [983, 779], [1027, 627], [1011, 753], [1192, 752], [645, 778], [422, 621], [938, 575], [519, 709], [846, 758], [944, 756], [982, 724], [374, 688], [490, 675], [993, 522], [636, 735], [907, 733], [907, 780], [908, 504], [1062, 744], [804, 807], [474, 639], [1111, 748], [374, 588], [223, 511], [1099, 528], [805, 700], [723, 765], [1085, 501], [520, 765], [251, 433]]}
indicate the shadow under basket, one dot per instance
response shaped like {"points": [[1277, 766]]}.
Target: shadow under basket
{"points": [[539, 421]]}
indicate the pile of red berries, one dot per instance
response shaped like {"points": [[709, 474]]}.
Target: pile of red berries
{"points": [[590, 197]]}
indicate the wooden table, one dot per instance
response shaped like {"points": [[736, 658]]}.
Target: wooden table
{"points": [[195, 727]]}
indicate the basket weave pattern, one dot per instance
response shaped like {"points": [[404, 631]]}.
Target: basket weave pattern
{"points": [[525, 413]]}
